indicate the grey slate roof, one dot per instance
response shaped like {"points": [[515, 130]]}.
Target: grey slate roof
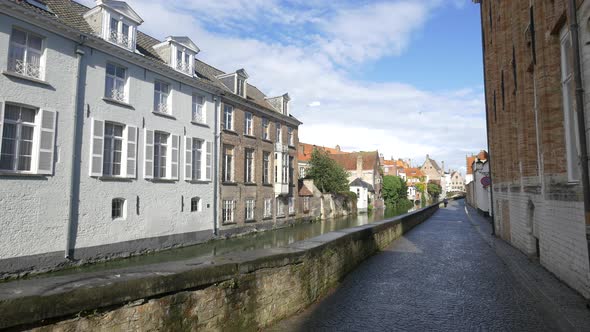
{"points": [[358, 182], [70, 13]]}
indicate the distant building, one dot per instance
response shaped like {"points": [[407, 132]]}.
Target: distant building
{"points": [[304, 155], [457, 182], [431, 169], [365, 166]]}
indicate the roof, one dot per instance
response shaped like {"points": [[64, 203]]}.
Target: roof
{"points": [[70, 13], [413, 172], [304, 191], [305, 150], [348, 160], [358, 182], [470, 161], [482, 155]]}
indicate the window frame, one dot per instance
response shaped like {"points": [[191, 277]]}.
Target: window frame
{"points": [[198, 107], [290, 138], [115, 78], [42, 52], [291, 205], [120, 39], [35, 141], [228, 117], [197, 164], [280, 207], [250, 208], [162, 107], [112, 151], [165, 155], [278, 132], [266, 167], [249, 171], [268, 208], [195, 204], [228, 211], [265, 129], [122, 208], [248, 124], [228, 171]]}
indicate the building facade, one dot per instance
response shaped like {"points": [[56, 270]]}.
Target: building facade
{"points": [[431, 169], [539, 166], [365, 166]]}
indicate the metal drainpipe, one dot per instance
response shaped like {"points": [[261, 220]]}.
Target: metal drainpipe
{"points": [[75, 174], [580, 109], [216, 164], [483, 48]]}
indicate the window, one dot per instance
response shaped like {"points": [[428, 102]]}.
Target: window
{"points": [[228, 163], [285, 168], [24, 55], [116, 78], [248, 124], [276, 167], [265, 129], [291, 170], [160, 152], [278, 134], [280, 208], [120, 33], [291, 137], [268, 208], [161, 92], [301, 172], [305, 204], [113, 149], [570, 120], [118, 208], [249, 166], [266, 167], [197, 159], [195, 204], [228, 117], [285, 107], [18, 138], [291, 205], [227, 213], [198, 114], [240, 87], [250, 204], [183, 61]]}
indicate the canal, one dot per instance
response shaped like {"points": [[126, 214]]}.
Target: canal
{"points": [[261, 240]]}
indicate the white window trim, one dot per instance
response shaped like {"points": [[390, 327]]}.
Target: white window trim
{"points": [[248, 124], [123, 209], [250, 209], [199, 204], [232, 164], [162, 108], [268, 207], [231, 206], [107, 15], [108, 95], [249, 171], [182, 67], [171, 165], [126, 158], [41, 68], [228, 125], [195, 105]]}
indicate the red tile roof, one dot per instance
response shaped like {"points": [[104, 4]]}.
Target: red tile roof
{"points": [[305, 150], [348, 160]]}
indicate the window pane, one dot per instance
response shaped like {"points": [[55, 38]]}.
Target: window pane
{"points": [[125, 30], [17, 53], [26, 133], [114, 24], [111, 69], [179, 56], [35, 42], [120, 72], [18, 37]]}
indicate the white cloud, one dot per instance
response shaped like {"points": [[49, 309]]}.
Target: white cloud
{"points": [[396, 118]]}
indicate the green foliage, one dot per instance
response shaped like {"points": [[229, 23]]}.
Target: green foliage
{"points": [[327, 175], [434, 189], [420, 187], [395, 191]]}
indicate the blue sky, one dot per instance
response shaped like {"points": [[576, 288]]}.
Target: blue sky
{"points": [[400, 76]]}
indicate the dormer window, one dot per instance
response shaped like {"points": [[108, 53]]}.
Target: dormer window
{"points": [[120, 33], [183, 61], [240, 90], [285, 105]]}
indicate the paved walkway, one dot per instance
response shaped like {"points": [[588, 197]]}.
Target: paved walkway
{"points": [[447, 274]]}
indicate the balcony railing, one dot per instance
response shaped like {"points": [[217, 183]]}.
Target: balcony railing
{"points": [[281, 188], [23, 68], [183, 67], [162, 108], [119, 39], [118, 95], [280, 147]]}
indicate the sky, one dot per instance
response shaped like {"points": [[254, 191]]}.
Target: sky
{"points": [[403, 77]]}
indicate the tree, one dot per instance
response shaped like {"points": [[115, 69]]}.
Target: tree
{"points": [[395, 191], [434, 189], [327, 175]]}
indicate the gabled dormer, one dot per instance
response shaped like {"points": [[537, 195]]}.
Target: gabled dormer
{"points": [[179, 53], [236, 82], [280, 103], [114, 21]]}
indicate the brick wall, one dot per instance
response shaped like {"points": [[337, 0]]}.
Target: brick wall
{"points": [[535, 205]]}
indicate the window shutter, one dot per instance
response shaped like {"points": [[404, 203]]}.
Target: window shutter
{"points": [[132, 133], [188, 158], [47, 142], [148, 170], [96, 147], [209, 160], [174, 161]]}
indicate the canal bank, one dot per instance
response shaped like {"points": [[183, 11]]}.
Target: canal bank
{"points": [[241, 290]]}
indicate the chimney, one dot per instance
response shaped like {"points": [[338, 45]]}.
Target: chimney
{"points": [[359, 165]]}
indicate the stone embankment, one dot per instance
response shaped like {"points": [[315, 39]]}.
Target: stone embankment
{"points": [[238, 291]]}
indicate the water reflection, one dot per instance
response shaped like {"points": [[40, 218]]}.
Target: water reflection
{"points": [[268, 239]]}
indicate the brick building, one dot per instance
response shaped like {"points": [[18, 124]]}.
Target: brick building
{"points": [[257, 156], [538, 166]]}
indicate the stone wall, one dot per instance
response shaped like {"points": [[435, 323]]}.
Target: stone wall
{"points": [[337, 205], [241, 291]]}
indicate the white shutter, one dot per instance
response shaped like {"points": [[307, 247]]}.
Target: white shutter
{"points": [[208, 161], [47, 142], [132, 133], [96, 147], [188, 158], [148, 155], [174, 157]]}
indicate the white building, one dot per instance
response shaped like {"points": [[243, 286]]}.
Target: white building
{"points": [[362, 189], [109, 136]]}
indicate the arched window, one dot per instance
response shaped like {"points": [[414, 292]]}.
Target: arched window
{"points": [[195, 204], [118, 208]]}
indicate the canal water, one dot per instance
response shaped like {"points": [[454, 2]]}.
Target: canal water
{"points": [[268, 239]]}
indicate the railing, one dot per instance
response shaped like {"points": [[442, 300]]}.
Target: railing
{"points": [[183, 67], [280, 147], [198, 116], [118, 95], [23, 68], [120, 39], [162, 108]]}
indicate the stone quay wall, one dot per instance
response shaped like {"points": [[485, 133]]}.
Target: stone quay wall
{"points": [[239, 291]]}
